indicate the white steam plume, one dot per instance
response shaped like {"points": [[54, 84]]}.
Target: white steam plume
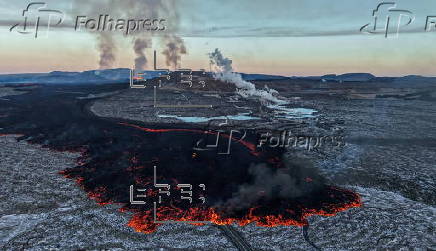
{"points": [[224, 72]]}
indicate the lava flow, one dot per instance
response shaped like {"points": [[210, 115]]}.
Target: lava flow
{"points": [[227, 179], [263, 215], [173, 174]]}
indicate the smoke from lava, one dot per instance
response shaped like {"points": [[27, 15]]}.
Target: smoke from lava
{"points": [[298, 178]]}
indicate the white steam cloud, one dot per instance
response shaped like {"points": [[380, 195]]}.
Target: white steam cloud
{"points": [[224, 72]]}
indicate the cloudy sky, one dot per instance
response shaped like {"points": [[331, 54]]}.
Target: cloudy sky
{"points": [[287, 37]]}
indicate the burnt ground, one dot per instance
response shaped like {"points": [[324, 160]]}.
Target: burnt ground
{"points": [[389, 159]]}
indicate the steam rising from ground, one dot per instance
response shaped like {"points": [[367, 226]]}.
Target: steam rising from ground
{"points": [[107, 49], [106, 44], [175, 48], [140, 44], [135, 9], [223, 64], [224, 72]]}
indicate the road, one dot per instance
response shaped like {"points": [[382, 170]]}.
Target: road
{"points": [[236, 238]]}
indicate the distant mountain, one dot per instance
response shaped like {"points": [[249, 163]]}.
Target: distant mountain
{"points": [[100, 76], [349, 77], [121, 75], [65, 77], [416, 77], [416, 80], [259, 77]]}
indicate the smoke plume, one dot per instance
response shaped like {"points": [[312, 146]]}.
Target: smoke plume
{"points": [[299, 178], [175, 47], [138, 9], [224, 72], [106, 47], [140, 44], [217, 59]]}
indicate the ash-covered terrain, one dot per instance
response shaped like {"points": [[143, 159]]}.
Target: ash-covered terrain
{"points": [[387, 157]]}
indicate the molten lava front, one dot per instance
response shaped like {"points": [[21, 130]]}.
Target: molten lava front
{"points": [[107, 177], [288, 214]]}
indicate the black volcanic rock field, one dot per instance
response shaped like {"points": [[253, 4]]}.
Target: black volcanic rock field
{"points": [[117, 139]]}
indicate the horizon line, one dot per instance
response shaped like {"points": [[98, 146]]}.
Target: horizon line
{"points": [[278, 75]]}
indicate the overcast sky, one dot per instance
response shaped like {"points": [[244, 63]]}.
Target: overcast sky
{"points": [[287, 37]]}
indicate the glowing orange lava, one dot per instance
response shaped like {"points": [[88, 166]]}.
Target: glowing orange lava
{"points": [[144, 221], [293, 212]]}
